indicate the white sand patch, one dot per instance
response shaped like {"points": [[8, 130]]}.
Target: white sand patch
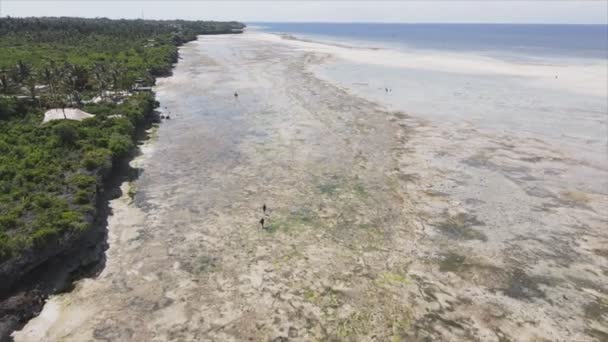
{"points": [[55, 320], [37, 327], [66, 114]]}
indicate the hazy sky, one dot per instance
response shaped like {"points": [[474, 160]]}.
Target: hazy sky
{"points": [[480, 11]]}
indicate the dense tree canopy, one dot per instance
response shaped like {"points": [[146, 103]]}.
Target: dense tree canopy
{"points": [[50, 173]]}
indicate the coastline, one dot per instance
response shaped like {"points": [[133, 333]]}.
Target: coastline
{"points": [[58, 266], [381, 223], [575, 78], [456, 98], [39, 273], [120, 204]]}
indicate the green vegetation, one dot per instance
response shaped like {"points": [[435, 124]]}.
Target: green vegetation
{"points": [[50, 174]]}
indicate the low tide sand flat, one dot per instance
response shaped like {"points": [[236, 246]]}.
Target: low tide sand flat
{"points": [[381, 225]]}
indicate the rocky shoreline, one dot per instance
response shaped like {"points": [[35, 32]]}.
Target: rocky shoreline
{"points": [[380, 225], [28, 280]]}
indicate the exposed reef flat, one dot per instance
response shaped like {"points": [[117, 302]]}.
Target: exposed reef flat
{"points": [[380, 225]]}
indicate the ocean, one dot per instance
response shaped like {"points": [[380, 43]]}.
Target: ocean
{"points": [[585, 41], [547, 82], [481, 179]]}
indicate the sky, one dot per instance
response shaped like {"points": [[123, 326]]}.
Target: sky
{"points": [[448, 11]]}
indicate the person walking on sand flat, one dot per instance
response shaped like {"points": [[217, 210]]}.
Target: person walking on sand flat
{"points": [[264, 208], [262, 222]]}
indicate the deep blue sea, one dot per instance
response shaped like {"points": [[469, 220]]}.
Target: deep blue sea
{"points": [[579, 41]]}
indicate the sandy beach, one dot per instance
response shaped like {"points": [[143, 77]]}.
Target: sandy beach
{"points": [[384, 223]]}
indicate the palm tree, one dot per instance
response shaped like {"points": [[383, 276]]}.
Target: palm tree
{"points": [[31, 86], [4, 80], [68, 81], [100, 77], [74, 81], [80, 76], [22, 71], [53, 76], [48, 76]]}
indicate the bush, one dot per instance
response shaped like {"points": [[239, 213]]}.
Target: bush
{"points": [[87, 209], [8, 221], [40, 237], [82, 197], [97, 159], [66, 133], [6, 172], [83, 181], [6, 247], [43, 201], [7, 108], [72, 220], [120, 145], [122, 126]]}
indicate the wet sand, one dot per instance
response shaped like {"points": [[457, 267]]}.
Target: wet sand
{"points": [[381, 225]]}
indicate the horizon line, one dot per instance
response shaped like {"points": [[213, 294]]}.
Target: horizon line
{"points": [[324, 22], [418, 23]]}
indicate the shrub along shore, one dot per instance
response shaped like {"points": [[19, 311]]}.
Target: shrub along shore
{"points": [[53, 175]]}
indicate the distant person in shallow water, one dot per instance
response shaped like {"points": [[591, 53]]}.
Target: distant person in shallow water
{"points": [[236, 95]]}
